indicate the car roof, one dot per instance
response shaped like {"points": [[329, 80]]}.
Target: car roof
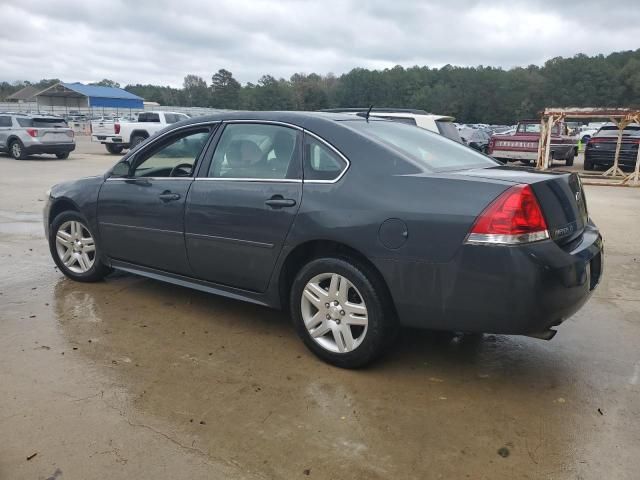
{"points": [[299, 118], [392, 112], [374, 109]]}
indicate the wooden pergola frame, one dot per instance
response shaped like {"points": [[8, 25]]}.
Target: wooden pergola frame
{"points": [[620, 116]]}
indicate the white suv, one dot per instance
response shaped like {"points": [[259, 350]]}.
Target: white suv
{"points": [[441, 124]]}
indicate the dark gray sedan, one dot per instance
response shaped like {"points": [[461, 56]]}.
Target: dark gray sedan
{"points": [[355, 226]]}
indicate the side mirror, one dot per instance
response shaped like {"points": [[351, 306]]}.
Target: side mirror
{"points": [[122, 169]]}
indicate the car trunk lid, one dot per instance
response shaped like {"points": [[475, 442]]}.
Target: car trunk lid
{"points": [[560, 195], [50, 130]]}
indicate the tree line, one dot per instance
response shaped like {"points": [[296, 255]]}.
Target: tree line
{"points": [[471, 94]]}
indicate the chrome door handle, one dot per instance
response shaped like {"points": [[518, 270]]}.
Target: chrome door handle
{"points": [[168, 196]]}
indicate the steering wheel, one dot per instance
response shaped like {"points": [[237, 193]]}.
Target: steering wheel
{"points": [[180, 166]]}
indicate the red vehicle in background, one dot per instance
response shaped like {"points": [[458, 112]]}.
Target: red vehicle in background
{"points": [[523, 145]]}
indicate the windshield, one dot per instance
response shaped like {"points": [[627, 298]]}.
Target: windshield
{"points": [[429, 150]]}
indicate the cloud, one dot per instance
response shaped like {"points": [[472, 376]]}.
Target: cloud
{"points": [[161, 41]]}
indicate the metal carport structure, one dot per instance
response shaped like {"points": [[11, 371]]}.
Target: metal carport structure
{"points": [[80, 96], [620, 116]]}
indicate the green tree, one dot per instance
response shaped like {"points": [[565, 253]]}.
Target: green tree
{"points": [[225, 90], [196, 92], [105, 82]]}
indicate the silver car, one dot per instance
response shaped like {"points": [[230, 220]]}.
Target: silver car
{"points": [[23, 135]]}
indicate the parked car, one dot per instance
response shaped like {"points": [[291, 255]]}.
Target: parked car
{"points": [[505, 130], [24, 135], [441, 124], [476, 138], [355, 226], [523, 145], [588, 131], [601, 149], [118, 135]]}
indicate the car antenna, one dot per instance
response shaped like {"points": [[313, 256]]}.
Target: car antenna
{"points": [[368, 112]]}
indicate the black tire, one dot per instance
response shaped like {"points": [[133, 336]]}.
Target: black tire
{"points": [[114, 149], [97, 271], [588, 165], [16, 150], [568, 161], [136, 140], [381, 327], [62, 156], [526, 162]]}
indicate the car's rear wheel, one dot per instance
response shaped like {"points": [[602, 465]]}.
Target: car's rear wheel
{"points": [[341, 311], [114, 149], [62, 156], [588, 165], [17, 150], [74, 248], [568, 161]]}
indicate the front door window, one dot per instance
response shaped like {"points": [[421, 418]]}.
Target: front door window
{"points": [[174, 158]]}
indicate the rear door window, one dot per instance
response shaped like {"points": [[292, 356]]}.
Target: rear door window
{"points": [[257, 152], [320, 161]]}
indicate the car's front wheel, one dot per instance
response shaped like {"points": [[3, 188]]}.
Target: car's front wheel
{"points": [[74, 248], [341, 311], [136, 140], [62, 156]]}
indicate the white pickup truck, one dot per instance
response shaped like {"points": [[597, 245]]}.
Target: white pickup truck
{"points": [[117, 135]]}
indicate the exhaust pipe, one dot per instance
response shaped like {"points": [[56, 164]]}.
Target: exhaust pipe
{"points": [[544, 335]]}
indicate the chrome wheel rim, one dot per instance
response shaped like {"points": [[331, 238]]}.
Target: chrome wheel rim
{"points": [[16, 150], [334, 313], [75, 246]]}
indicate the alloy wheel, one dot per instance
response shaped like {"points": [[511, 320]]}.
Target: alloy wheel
{"points": [[334, 313], [75, 246], [16, 150]]}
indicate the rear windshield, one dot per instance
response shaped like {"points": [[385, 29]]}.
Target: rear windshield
{"points": [[428, 150], [42, 122], [149, 117], [449, 130]]}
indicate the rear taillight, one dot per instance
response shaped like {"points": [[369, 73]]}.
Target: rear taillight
{"points": [[116, 128], [70, 133], [492, 144], [32, 132], [515, 217]]}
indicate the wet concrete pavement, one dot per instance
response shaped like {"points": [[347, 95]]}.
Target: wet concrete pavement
{"points": [[132, 378]]}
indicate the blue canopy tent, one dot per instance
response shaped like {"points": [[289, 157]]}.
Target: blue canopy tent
{"points": [[80, 96]]}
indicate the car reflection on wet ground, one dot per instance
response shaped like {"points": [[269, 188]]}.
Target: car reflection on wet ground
{"points": [[132, 378]]}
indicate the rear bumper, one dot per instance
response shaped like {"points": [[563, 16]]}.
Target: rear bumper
{"points": [[49, 148], [626, 158], [497, 289], [514, 155], [107, 139]]}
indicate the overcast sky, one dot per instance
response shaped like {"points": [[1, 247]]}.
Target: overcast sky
{"points": [[160, 41]]}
